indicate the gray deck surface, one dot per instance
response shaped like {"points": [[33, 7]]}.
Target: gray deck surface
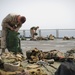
{"points": [[47, 45]]}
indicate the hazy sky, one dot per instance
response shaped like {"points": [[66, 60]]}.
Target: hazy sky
{"points": [[47, 14]]}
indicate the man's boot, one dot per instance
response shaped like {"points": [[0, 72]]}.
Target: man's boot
{"points": [[3, 50]]}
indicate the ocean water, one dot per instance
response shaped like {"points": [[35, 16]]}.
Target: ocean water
{"points": [[47, 32]]}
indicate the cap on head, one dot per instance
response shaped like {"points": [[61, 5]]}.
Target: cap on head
{"points": [[22, 19]]}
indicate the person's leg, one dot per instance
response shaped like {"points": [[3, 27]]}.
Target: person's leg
{"points": [[32, 36], [3, 50], [3, 41]]}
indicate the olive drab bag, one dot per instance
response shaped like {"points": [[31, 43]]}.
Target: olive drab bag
{"points": [[13, 42]]}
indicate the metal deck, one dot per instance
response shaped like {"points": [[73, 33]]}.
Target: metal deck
{"points": [[47, 45]]}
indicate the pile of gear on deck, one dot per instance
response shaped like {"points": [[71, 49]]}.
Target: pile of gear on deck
{"points": [[36, 62], [51, 37]]}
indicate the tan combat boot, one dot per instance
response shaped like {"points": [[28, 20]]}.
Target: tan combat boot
{"points": [[3, 50]]}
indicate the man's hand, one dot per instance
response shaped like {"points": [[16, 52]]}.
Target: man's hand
{"points": [[11, 28], [16, 30]]}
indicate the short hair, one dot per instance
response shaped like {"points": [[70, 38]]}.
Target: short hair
{"points": [[37, 26], [22, 19]]}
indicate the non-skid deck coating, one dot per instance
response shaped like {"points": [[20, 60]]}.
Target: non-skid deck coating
{"points": [[47, 45], [58, 44]]}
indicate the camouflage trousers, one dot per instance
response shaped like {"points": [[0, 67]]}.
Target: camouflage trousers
{"points": [[3, 39]]}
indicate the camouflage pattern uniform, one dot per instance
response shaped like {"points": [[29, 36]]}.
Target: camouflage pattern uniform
{"points": [[9, 21]]}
